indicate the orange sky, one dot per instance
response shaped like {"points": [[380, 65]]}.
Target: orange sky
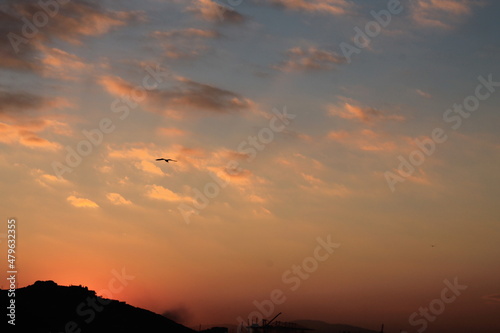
{"points": [[282, 136]]}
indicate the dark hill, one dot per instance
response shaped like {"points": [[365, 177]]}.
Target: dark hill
{"points": [[322, 327], [47, 307]]}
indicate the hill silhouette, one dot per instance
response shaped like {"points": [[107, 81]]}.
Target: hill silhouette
{"points": [[47, 307], [323, 327], [315, 326]]}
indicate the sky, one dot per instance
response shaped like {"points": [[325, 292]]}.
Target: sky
{"points": [[335, 160]]}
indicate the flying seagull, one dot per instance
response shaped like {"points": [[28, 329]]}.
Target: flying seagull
{"points": [[166, 159]]}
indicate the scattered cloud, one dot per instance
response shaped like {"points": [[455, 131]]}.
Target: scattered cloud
{"points": [[330, 7], [117, 199], [63, 65], [171, 131], [318, 186], [351, 109], [311, 58], [186, 95], [160, 193], [74, 20], [184, 43], [423, 93], [211, 11], [150, 167], [23, 116], [47, 180], [81, 202], [366, 140], [442, 14]]}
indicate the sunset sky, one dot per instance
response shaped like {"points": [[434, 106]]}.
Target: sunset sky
{"points": [[290, 120]]}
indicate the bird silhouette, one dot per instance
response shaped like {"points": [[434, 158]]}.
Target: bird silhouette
{"points": [[166, 159]]}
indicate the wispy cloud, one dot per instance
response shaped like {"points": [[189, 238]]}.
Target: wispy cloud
{"points": [[184, 43], [117, 199], [348, 108], [81, 202], [310, 58], [366, 140], [74, 20], [331, 7], [442, 14], [492, 298], [423, 93], [161, 193], [186, 95], [211, 11]]}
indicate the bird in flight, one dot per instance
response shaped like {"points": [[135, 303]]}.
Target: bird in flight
{"points": [[166, 159]]}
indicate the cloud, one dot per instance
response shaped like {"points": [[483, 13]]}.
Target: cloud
{"points": [[160, 193], [442, 14], [81, 202], [20, 46], [22, 117], [186, 95], [211, 11], [184, 43], [148, 166], [317, 186], [330, 7], [423, 93], [310, 58], [60, 64], [186, 33], [171, 131], [47, 180], [26, 136], [117, 199], [143, 157], [492, 298], [366, 140], [353, 110], [16, 102]]}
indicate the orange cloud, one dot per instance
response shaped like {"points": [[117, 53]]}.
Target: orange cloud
{"points": [[160, 193], [47, 180], [26, 135], [150, 167], [187, 95], [171, 131], [74, 20], [117, 199], [366, 140], [81, 202], [331, 7], [350, 109], [61, 64], [23, 118], [443, 14]]}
